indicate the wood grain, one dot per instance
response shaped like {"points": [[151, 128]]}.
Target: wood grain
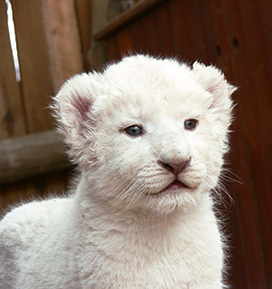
{"points": [[31, 155], [126, 17], [63, 40], [34, 62], [83, 10], [12, 114]]}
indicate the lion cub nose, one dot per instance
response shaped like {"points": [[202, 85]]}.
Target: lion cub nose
{"points": [[175, 168]]}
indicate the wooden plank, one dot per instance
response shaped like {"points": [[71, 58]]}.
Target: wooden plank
{"points": [[112, 49], [39, 187], [14, 194], [84, 19], [179, 15], [238, 273], [57, 183], [34, 63], [200, 27], [139, 9], [124, 42], [2, 202], [63, 40], [137, 37], [150, 34], [31, 155], [219, 35], [97, 53], [259, 74], [164, 27], [251, 142], [249, 269], [190, 26], [140, 36], [12, 118], [266, 30]]}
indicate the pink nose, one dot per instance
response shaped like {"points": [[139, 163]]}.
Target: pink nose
{"points": [[175, 168]]}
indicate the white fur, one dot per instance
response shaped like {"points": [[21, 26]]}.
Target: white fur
{"points": [[118, 229]]}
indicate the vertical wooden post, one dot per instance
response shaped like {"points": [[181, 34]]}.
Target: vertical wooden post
{"points": [[12, 118], [63, 40], [84, 17], [34, 63], [98, 49]]}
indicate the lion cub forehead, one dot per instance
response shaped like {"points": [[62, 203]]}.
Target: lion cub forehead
{"points": [[142, 67], [143, 85]]}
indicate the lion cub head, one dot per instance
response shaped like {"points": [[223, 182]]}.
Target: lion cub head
{"points": [[148, 133]]}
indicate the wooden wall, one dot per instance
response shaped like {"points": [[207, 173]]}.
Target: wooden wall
{"points": [[237, 37], [52, 40]]}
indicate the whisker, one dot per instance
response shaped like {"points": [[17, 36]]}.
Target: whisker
{"points": [[129, 192], [236, 178], [218, 191]]}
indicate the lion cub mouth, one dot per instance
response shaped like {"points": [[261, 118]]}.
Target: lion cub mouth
{"points": [[174, 188], [176, 185]]}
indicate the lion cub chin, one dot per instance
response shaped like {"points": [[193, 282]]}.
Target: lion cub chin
{"points": [[149, 136]]}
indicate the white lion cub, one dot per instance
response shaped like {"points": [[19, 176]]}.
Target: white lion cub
{"points": [[149, 137]]}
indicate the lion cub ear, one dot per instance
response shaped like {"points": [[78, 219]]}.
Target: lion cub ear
{"points": [[72, 109], [213, 81]]}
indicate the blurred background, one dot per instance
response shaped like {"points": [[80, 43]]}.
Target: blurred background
{"points": [[44, 42]]}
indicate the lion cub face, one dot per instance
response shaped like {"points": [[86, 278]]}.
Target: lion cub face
{"points": [[147, 133]]}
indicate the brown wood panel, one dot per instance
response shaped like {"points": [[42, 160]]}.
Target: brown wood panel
{"points": [[126, 18], [137, 37], [43, 187], [2, 202], [266, 25], [163, 26], [240, 265], [219, 37], [31, 155], [183, 40], [84, 19], [12, 117], [57, 183], [35, 188], [63, 40], [34, 62], [112, 49], [13, 194], [124, 42], [253, 111], [144, 35], [150, 35], [225, 53], [191, 31]]}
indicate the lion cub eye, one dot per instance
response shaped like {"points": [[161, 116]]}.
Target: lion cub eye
{"points": [[190, 124], [134, 130]]}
